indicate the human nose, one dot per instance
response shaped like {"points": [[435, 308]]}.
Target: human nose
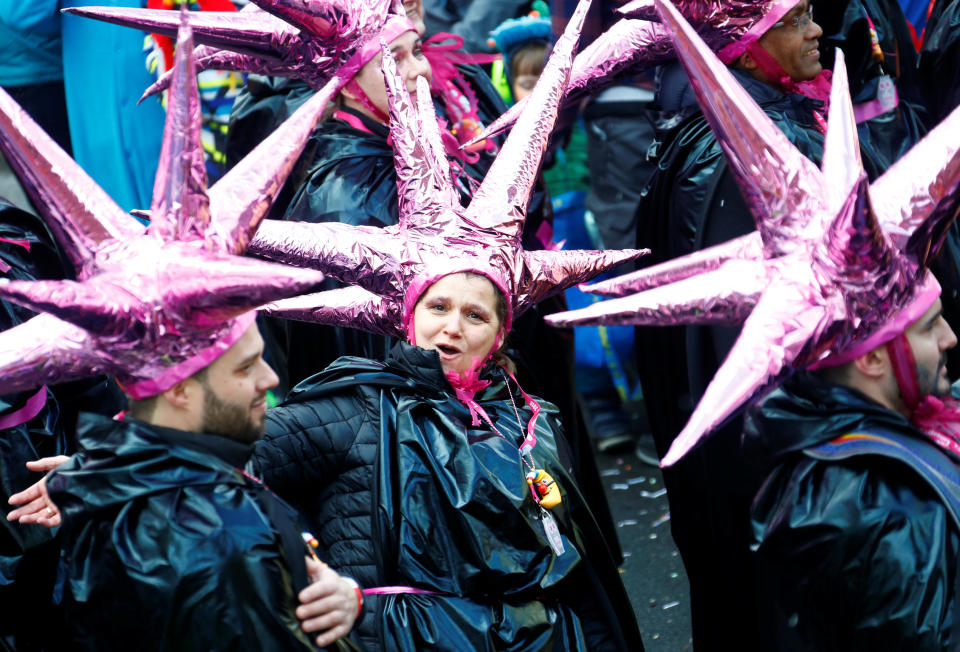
{"points": [[452, 325], [950, 338], [269, 378], [420, 67], [812, 30]]}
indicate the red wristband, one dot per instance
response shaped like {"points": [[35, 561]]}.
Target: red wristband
{"points": [[359, 592], [359, 600]]}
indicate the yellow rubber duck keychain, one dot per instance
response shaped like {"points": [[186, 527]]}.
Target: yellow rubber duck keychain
{"points": [[545, 490]]}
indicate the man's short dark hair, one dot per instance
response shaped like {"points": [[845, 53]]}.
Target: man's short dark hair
{"points": [[143, 409]]}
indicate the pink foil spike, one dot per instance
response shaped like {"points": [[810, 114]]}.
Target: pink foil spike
{"points": [[841, 162], [501, 201], [748, 247], [250, 32], [204, 58], [78, 212], [733, 289], [64, 353], [359, 255], [637, 43], [180, 209], [773, 335], [351, 306], [546, 272], [782, 187], [423, 187], [925, 180], [433, 238], [323, 19], [627, 47], [151, 308], [242, 197], [431, 132], [643, 9]]}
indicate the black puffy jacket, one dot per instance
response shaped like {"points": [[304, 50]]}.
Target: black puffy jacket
{"points": [[168, 546], [402, 490], [853, 554]]}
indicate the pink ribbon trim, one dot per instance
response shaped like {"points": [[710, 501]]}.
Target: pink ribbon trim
{"points": [[29, 410], [173, 375], [873, 108], [396, 590]]}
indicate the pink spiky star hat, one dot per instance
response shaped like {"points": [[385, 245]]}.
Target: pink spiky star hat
{"points": [[639, 42], [150, 306], [436, 235], [317, 41], [837, 266]]}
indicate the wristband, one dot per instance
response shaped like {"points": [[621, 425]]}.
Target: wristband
{"points": [[358, 591]]}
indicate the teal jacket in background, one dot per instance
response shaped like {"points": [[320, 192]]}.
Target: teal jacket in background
{"points": [[29, 42], [114, 140]]}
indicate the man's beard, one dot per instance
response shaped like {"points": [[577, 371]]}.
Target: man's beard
{"points": [[229, 419], [930, 385]]}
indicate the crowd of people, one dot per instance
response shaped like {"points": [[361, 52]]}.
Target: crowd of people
{"points": [[324, 392]]}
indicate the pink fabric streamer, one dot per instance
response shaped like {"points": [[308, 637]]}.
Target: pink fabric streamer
{"points": [[4, 267], [29, 410], [466, 385], [395, 590], [938, 418]]}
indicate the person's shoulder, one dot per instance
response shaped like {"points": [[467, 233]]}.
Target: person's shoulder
{"points": [[852, 497]]}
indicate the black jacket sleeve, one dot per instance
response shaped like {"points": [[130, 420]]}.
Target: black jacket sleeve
{"points": [[854, 557], [306, 443]]}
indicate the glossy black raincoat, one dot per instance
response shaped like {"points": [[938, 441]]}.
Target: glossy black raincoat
{"points": [[693, 202], [29, 619], [939, 67], [168, 546], [403, 490], [858, 554], [848, 25]]}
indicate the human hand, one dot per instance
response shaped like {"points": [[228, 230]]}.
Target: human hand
{"points": [[328, 605], [36, 504]]}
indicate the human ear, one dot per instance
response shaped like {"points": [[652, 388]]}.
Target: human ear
{"points": [[746, 62], [873, 364], [181, 394]]}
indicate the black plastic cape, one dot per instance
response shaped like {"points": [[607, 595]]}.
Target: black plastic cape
{"points": [[851, 555], [168, 546], [447, 510], [693, 202], [939, 67], [29, 553]]}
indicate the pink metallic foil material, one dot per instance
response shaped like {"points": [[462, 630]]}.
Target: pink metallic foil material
{"points": [[355, 306], [436, 235], [638, 42], [149, 305], [829, 276], [312, 40]]}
